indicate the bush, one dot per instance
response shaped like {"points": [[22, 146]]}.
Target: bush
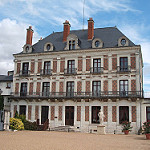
{"points": [[126, 126], [28, 125], [16, 124], [146, 127]]}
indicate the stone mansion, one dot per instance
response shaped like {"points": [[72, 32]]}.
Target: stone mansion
{"points": [[67, 77]]}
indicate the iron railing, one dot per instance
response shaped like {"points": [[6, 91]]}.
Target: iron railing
{"points": [[123, 69], [46, 72], [102, 94], [24, 72], [96, 70], [70, 71]]}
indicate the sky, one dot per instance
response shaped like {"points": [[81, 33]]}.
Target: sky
{"points": [[132, 17]]}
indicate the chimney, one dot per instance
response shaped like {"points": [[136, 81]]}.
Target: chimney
{"points": [[90, 29], [66, 30], [29, 35]]}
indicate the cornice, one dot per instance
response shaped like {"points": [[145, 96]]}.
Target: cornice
{"points": [[137, 47]]}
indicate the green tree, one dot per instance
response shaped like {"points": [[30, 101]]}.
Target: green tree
{"points": [[1, 102]]}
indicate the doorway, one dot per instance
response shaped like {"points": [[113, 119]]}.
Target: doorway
{"points": [[69, 115], [44, 114]]}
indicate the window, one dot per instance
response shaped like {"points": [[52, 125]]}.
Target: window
{"points": [[123, 114], [148, 114], [95, 111], [97, 65], [70, 89], [71, 67], [22, 110], [47, 66], [97, 43], [46, 88], [8, 85], [96, 88], [48, 47], [123, 42], [23, 91], [123, 63], [71, 44], [25, 68], [123, 87]]}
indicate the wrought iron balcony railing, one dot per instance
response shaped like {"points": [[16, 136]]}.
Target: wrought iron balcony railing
{"points": [[70, 71], [24, 72], [102, 94], [121, 69], [96, 70], [46, 72]]}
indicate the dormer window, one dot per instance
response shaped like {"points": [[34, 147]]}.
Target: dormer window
{"points": [[71, 44], [97, 43], [48, 47], [123, 41], [27, 48]]}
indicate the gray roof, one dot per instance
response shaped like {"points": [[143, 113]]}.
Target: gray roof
{"points": [[5, 78], [108, 35]]}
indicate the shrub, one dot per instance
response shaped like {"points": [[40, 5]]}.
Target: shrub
{"points": [[30, 125], [16, 124], [146, 127], [126, 126]]}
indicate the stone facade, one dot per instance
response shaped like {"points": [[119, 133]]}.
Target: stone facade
{"points": [[76, 95]]}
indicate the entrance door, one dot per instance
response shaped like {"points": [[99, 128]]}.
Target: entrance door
{"points": [[95, 111], [69, 115], [44, 114]]}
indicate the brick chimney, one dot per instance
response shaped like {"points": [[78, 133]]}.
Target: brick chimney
{"points": [[66, 30], [29, 35], [90, 29]]}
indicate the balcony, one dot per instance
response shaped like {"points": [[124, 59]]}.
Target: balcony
{"points": [[45, 72], [121, 69], [24, 73], [70, 71], [96, 70], [65, 95]]}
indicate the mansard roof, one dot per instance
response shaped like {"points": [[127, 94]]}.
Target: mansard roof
{"points": [[109, 36]]}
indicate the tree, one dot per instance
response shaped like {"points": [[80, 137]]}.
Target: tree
{"points": [[1, 102]]}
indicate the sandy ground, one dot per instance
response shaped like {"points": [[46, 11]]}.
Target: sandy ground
{"points": [[45, 140]]}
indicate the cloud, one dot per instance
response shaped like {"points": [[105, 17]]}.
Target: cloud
{"points": [[12, 39], [55, 12]]}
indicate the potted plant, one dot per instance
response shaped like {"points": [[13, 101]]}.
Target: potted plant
{"points": [[146, 128], [126, 127]]}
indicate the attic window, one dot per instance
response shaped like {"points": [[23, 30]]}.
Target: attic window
{"points": [[71, 44], [27, 48], [48, 47], [97, 43], [123, 42]]}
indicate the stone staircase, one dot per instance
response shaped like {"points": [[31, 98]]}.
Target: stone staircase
{"points": [[66, 128]]}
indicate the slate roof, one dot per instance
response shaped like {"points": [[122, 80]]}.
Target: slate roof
{"points": [[4, 78], [109, 36]]}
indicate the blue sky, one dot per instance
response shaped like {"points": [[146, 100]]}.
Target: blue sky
{"points": [[132, 17]]}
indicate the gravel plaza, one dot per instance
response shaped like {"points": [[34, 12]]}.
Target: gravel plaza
{"points": [[46, 140]]}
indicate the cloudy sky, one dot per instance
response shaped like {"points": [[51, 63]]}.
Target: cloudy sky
{"points": [[46, 16]]}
